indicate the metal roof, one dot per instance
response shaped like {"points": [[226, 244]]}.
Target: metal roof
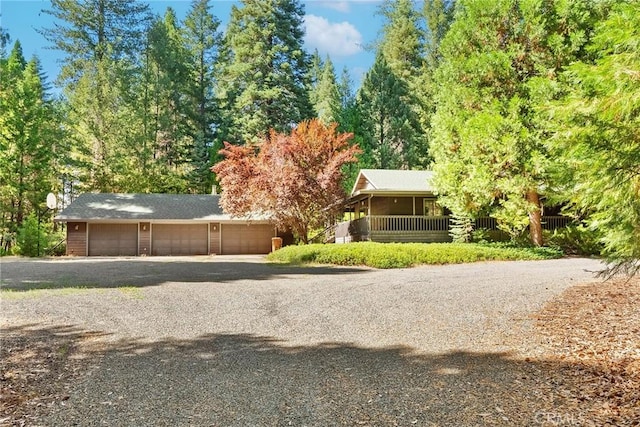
{"points": [[111, 206], [388, 180]]}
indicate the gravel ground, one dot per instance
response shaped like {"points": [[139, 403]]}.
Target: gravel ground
{"points": [[234, 341]]}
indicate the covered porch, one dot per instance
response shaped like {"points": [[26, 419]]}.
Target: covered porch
{"points": [[394, 228]]}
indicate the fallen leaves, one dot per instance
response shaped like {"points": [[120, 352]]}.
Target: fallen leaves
{"points": [[593, 330]]}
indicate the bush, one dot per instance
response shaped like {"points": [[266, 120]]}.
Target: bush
{"points": [[575, 240], [32, 239], [399, 255], [57, 243]]}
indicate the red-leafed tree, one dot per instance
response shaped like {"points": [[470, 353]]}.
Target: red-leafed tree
{"points": [[293, 180]]}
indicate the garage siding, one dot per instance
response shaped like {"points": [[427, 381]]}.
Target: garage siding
{"points": [[214, 236], [246, 239], [180, 239], [77, 238], [113, 239]]}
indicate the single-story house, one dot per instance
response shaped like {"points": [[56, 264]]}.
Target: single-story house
{"points": [[106, 224], [401, 206]]}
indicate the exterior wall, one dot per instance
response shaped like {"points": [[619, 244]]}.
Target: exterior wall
{"points": [[77, 238], [144, 238], [214, 238], [392, 206], [398, 205]]}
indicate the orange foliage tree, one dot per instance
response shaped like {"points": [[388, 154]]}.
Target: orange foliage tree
{"points": [[293, 180]]}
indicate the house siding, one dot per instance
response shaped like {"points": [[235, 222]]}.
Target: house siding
{"points": [[77, 238], [392, 206]]}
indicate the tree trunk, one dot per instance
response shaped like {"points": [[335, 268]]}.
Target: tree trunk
{"points": [[535, 218]]}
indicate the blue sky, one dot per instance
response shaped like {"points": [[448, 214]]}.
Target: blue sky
{"points": [[340, 29]]}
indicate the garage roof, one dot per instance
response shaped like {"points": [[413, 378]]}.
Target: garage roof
{"points": [[111, 206]]}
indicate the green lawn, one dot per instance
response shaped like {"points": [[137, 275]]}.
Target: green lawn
{"points": [[399, 255]]}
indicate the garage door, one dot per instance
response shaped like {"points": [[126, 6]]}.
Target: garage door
{"points": [[246, 239], [179, 239], [113, 239]]}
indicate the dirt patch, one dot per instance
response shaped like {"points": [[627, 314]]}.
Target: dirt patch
{"points": [[594, 330], [36, 371]]}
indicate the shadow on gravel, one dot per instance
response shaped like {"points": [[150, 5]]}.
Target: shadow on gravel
{"points": [[24, 275], [243, 380]]}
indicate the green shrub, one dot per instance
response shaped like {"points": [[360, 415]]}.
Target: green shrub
{"points": [[32, 239], [399, 255], [57, 244], [575, 240]]}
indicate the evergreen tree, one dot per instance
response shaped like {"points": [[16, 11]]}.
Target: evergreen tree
{"points": [[349, 120], [203, 41], [170, 83], [315, 74], [390, 127], [499, 63], [598, 139], [29, 139], [402, 40], [101, 40], [438, 15], [401, 46], [263, 81], [326, 95]]}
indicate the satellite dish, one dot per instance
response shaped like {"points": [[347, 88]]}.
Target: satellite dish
{"points": [[51, 201]]}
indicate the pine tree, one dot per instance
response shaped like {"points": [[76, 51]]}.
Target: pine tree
{"points": [[402, 40], [203, 41], [101, 40], [171, 139], [263, 82], [326, 94], [29, 140], [390, 127], [401, 46]]}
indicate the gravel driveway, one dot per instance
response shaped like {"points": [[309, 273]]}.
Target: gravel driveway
{"points": [[234, 341]]}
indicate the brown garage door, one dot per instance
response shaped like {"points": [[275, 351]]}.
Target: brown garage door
{"points": [[179, 239], [113, 239], [246, 239]]}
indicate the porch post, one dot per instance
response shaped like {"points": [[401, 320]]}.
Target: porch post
{"points": [[414, 205]]}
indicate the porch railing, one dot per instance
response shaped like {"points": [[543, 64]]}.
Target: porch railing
{"points": [[408, 223], [363, 228]]}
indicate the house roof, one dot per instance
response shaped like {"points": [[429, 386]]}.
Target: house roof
{"points": [[111, 206], [393, 181]]}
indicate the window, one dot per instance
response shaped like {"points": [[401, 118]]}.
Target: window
{"points": [[431, 208]]}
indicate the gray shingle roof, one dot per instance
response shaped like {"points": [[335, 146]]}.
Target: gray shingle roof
{"points": [[394, 180], [110, 206]]}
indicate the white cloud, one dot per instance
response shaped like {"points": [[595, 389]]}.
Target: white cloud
{"points": [[335, 39]]}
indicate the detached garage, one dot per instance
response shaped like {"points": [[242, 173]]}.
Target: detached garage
{"points": [[159, 224]]}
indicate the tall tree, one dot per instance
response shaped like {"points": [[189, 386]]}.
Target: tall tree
{"points": [[101, 40], [500, 60], [438, 15], [171, 130], [263, 81], [326, 94], [29, 136], [294, 180], [391, 135], [402, 40], [203, 41], [401, 46], [599, 136]]}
